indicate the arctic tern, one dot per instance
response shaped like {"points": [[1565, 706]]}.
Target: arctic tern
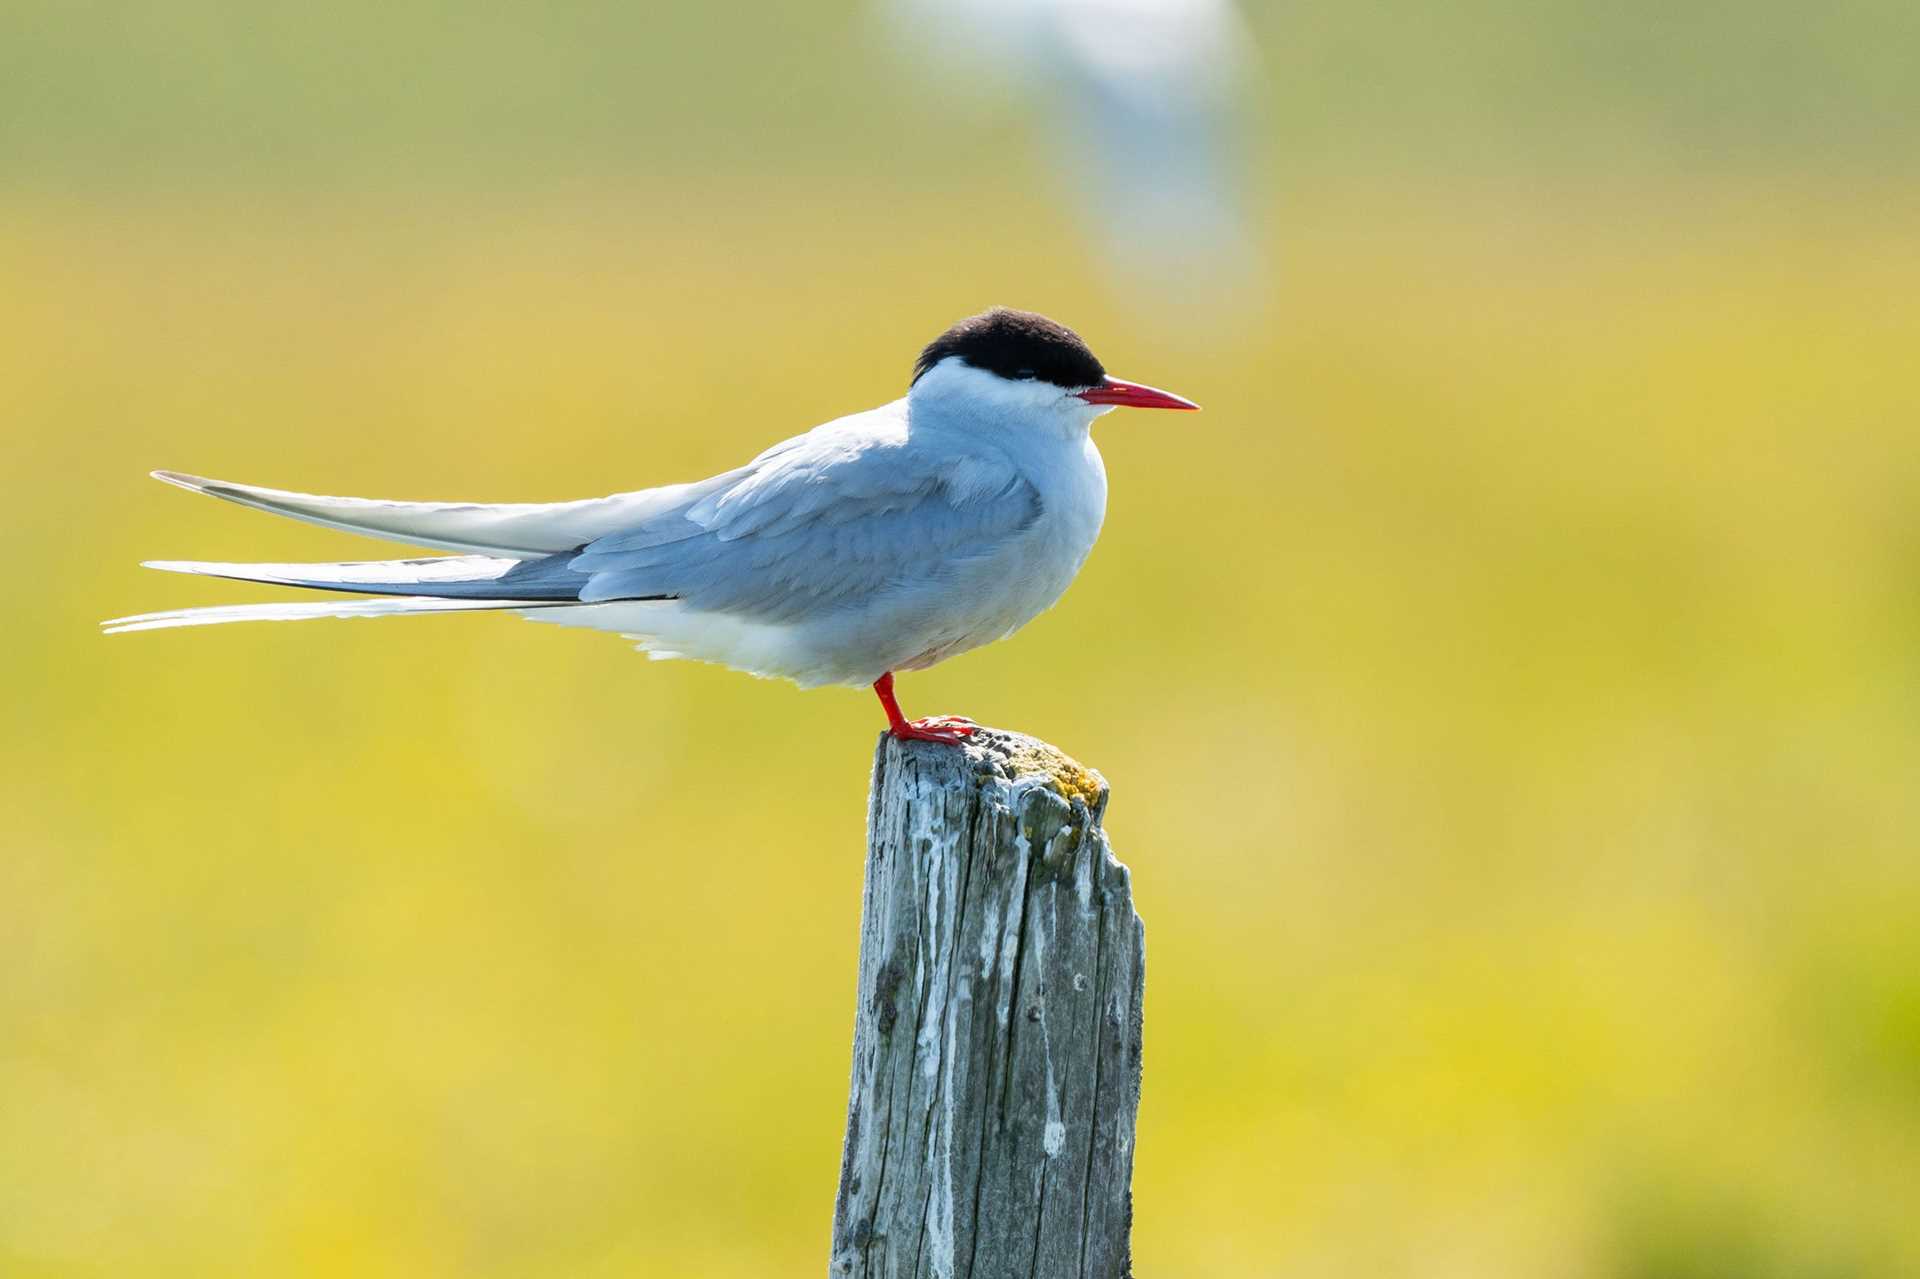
{"points": [[885, 541]]}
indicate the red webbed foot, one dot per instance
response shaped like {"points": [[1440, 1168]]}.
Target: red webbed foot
{"points": [[936, 728], [950, 729]]}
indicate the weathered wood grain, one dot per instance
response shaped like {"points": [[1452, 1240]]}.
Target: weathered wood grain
{"points": [[996, 1047]]}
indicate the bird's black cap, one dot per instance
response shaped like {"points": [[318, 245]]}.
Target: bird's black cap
{"points": [[1016, 345]]}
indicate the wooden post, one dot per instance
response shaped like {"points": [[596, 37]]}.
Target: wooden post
{"points": [[996, 1043]]}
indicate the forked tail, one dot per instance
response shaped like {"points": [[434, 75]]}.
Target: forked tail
{"points": [[215, 615]]}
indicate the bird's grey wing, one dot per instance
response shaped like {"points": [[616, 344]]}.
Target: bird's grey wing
{"points": [[817, 523], [516, 529]]}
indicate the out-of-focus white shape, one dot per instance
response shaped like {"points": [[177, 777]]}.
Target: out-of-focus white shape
{"points": [[1142, 101]]}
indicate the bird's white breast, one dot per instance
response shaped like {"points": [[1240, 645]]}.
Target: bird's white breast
{"points": [[997, 596]]}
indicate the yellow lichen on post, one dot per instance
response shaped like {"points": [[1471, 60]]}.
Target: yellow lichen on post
{"points": [[1069, 778]]}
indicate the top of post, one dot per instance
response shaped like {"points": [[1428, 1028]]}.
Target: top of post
{"points": [[1008, 757]]}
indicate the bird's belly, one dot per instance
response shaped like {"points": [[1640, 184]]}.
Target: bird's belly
{"points": [[910, 628]]}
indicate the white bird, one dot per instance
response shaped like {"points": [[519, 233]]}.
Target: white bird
{"points": [[1144, 104], [884, 541]]}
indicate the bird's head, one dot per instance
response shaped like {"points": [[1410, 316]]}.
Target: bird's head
{"points": [[1005, 362]]}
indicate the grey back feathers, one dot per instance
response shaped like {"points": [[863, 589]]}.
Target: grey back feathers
{"points": [[818, 523], [812, 524]]}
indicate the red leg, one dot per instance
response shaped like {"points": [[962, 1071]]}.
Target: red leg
{"points": [[937, 728]]}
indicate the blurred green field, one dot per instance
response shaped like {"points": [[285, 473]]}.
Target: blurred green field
{"points": [[1510, 688]]}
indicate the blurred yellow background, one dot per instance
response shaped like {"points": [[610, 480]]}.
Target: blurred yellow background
{"points": [[1510, 685]]}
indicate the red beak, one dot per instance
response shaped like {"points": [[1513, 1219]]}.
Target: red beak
{"points": [[1132, 395]]}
